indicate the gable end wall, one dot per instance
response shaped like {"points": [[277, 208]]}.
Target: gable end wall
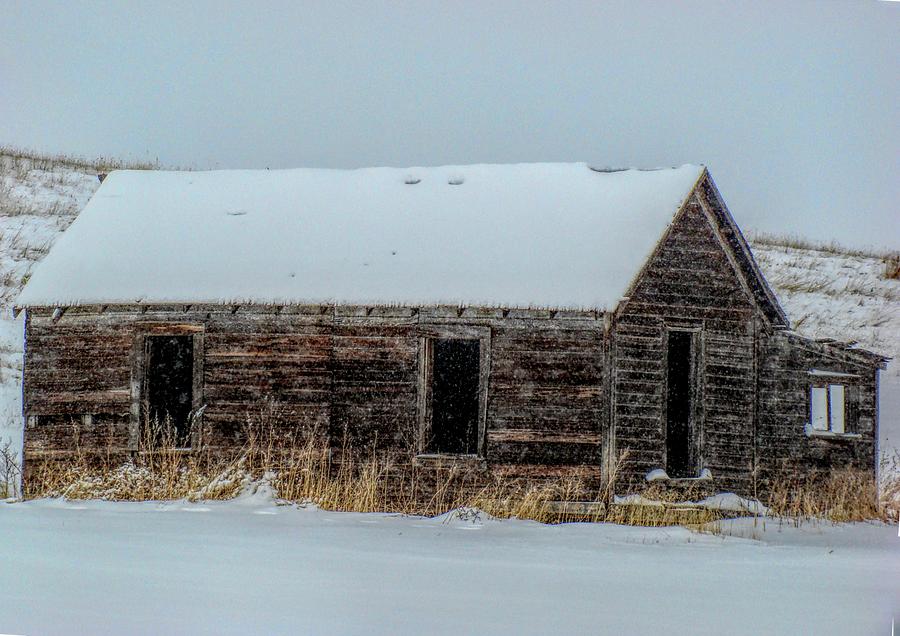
{"points": [[689, 282]]}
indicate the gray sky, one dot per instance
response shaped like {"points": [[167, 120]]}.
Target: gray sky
{"points": [[792, 105]]}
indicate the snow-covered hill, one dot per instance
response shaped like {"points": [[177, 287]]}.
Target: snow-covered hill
{"points": [[844, 295], [39, 198], [827, 291]]}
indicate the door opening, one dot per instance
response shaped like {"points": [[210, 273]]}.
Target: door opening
{"points": [[681, 454], [168, 387], [454, 396]]}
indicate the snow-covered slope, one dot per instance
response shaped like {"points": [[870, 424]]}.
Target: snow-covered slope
{"points": [[825, 292], [39, 199], [845, 296]]}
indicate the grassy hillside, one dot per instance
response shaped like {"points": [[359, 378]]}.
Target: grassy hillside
{"points": [[40, 196]]}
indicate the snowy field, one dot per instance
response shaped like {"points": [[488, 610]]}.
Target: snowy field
{"points": [[251, 567]]}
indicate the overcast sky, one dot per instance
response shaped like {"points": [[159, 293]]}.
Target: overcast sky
{"points": [[793, 106]]}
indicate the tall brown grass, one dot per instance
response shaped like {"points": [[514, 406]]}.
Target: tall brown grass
{"points": [[159, 470], [25, 159], [892, 267], [301, 465], [839, 495]]}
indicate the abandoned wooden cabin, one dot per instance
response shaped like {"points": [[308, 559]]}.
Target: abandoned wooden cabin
{"points": [[530, 319]]}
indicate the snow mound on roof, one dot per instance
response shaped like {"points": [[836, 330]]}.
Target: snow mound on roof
{"points": [[559, 235]]}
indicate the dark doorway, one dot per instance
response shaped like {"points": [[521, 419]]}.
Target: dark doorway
{"points": [[680, 451], [169, 386], [454, 396]]}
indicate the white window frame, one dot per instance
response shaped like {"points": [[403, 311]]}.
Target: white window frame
{"points": [[828, 409]]}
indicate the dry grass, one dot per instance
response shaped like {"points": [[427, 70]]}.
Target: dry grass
{"points": [[301, 466], [22, 160], [158, 471], [838, 496], [892, 267], [662, 505], [9, 471], [800, 243]]}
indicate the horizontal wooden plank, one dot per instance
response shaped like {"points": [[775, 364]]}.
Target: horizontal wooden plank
{"points": [[533, 435], [550, 453]]}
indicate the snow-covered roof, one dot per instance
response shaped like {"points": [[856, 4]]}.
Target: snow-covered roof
{"points": [[557, 235]]}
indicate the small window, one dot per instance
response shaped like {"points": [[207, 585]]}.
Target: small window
{"points": [[827, 408]]}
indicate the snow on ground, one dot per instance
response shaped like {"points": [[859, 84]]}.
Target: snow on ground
{"points": [[38, 200], [249, 566], [11, 384]]}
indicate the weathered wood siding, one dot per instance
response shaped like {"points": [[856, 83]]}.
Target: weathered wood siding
{"points": [[74, 369], [785, 448], [690, 283], [545, 404], [351, 373], [374, 375], [251, 357]]}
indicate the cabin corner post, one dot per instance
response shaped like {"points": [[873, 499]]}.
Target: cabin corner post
{"points": [[756, 330], [29, 420], [27, 417], [876, 415], [484, 377], [197, 397], [137, 373], [423, 401], [607, 415]]}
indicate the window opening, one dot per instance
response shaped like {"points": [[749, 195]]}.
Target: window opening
{"points": [[169, 387], [454, 396], [827, 408]]}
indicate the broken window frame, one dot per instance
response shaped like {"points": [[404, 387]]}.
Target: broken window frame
{"points": [[427, 335], [139, 378]]}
